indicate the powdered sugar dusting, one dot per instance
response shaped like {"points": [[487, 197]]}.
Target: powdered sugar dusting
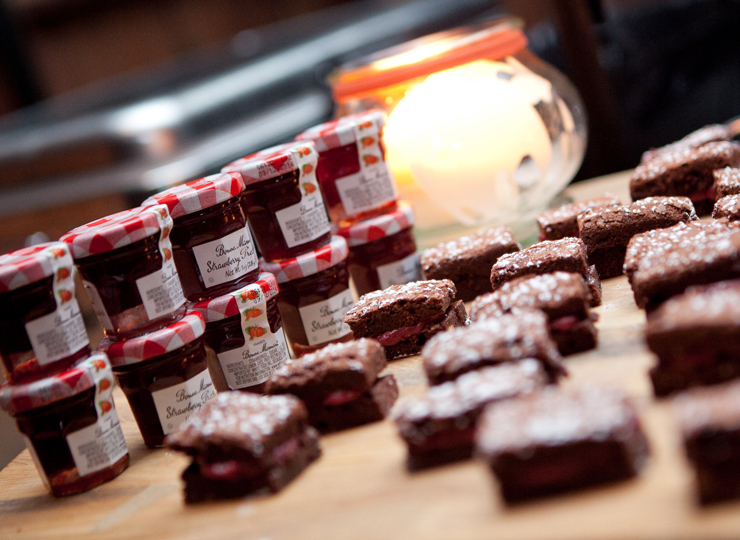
{"points": [[442, 288], [469, 246]]}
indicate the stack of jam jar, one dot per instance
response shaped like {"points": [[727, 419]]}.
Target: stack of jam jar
{"points": [[57, 390]]}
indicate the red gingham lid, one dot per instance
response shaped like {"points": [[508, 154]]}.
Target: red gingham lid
{"points": [[32, 264], [226, 306], [118, 230], [345, 130], [309, 263], [275, 161], [163, 341], [15, 398], [380, 226], [198, 194]]}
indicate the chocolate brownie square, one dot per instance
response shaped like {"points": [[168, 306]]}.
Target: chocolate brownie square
{"points": [[242, 443], [490, 342], [726, 182], [687, 173], [439, 427], [565, 255], [664, 262], [561, 222], [607, 231], [696, 336], [556, 440], [728, 208], [403, 317], [339, 384], [700, 137], [467, 261], [709, 421], [564, 297]]}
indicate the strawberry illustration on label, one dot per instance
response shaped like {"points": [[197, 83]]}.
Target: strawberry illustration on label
{"points": [[58, 252], [369, 159], [165, 232], [309, 188], [367, 141], [167, 254], [162, 213], [106, 406], [252, 313], [65, 295], [63, 273], [304, 151], [98, 364], [307, 168], [365, 125], [251, 294], [104, 385], [255, 332]]}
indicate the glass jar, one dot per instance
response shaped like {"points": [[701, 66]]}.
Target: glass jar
{"points": [[382, 251], [479, 130], [314, 296], [70, 426], [244, 337], [41, 328], [283, 201], [126, 265], [352, 172], [164, 376], [211, 241]]}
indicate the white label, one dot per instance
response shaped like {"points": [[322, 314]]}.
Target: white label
{"points": [[399, 272], [58, 334], [227, 258], [256, 361], [98, 446], [323, 321], [304, 221], [178, 403], [98, 307], [370, 188], [161, 291]]}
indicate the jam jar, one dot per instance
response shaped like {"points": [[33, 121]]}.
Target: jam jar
{"points": [[211, 241], [283, 201], [163, 375], [352, 171], [314, 296], [41, 329], [126, 265], [244, 336], [382, 250], [70, 426]]}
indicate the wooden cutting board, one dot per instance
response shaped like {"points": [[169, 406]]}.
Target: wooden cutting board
{"points": [[360, 489]]}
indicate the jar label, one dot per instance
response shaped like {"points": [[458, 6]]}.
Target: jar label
{"points": [[161, 291], [323, 321], [399, 272], [227, 258], [98, 306], [99, 445], [370, 188], [179, 402], [58, 334]]}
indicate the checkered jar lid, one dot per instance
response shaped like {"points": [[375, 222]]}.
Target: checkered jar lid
{"points": [[227, 305], [198, 194], [95, 370], [163, 341], [345, 130], [32, 264], [309, 263], [275, 161], [118, 230], [379, 227]]}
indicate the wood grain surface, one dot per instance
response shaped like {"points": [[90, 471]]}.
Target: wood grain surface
{"points": [[360, 489]]}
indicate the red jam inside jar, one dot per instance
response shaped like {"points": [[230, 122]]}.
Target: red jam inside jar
{"points": [[382, 251], [244, 337], [352, 171], [282, 200], [164, 376], [211, 240], [314, 297], [126, 265], [41, 329], [71, 430]]}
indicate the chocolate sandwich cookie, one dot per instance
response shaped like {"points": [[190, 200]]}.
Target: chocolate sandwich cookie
{"points": [[467, 261], [556, 440], [562, 222], [726, 182], [728, 208], [403, 317], [702, 136]]}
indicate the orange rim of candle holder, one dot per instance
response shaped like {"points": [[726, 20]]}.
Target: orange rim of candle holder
{"points": [[491, 41]]}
